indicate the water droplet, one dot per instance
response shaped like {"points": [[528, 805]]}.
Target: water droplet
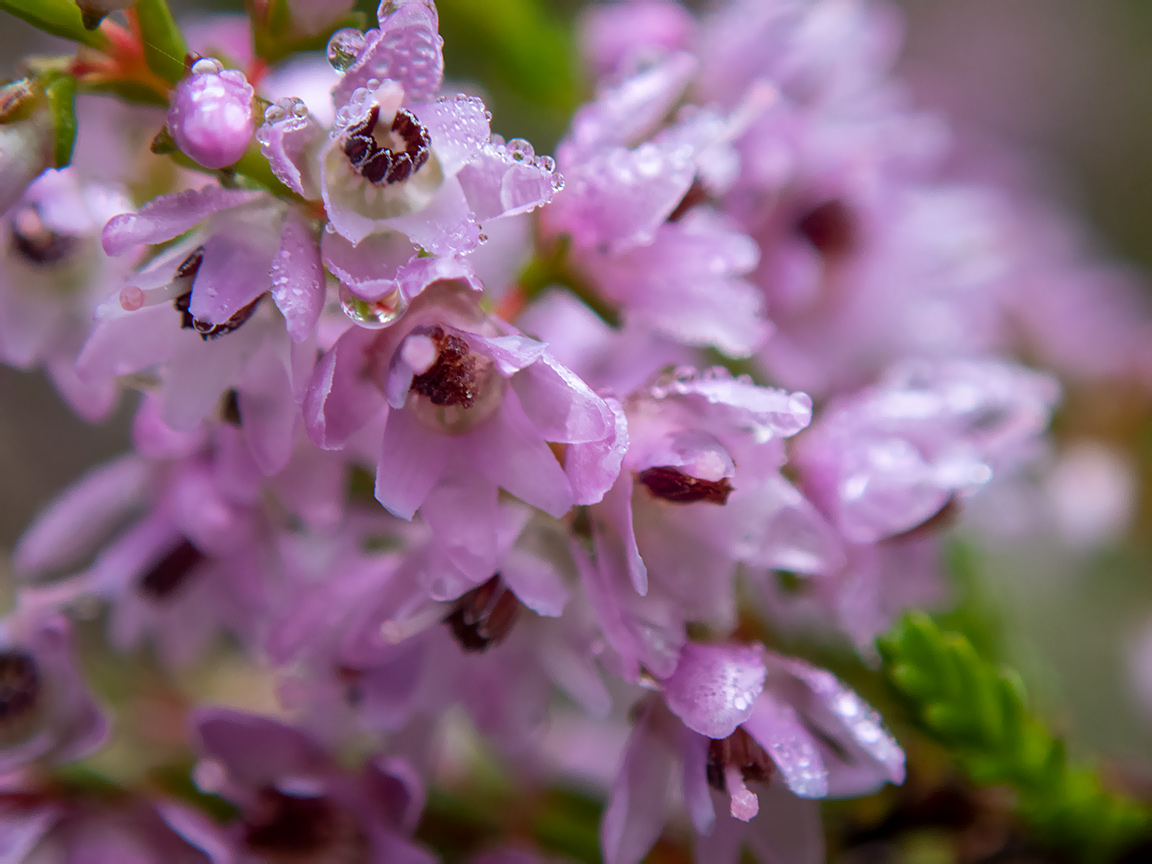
{"points": [[520, 150], [483, 238], [299, 109], [373, 314], [207, 66], [547, 163], [343, 48]]}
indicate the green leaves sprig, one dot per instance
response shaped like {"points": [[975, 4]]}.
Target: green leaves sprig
{"points": [[980, 714]]}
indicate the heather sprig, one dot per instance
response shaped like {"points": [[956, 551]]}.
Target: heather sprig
{"points": [[980, 713]]}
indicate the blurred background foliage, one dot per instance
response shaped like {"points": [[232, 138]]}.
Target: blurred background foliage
{"points": [[1068, 83]]}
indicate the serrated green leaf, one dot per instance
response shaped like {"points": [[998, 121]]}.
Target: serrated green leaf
{"points": [[61, 95], [164, 45], [58, 17]]}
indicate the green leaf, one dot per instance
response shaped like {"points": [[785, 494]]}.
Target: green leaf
{"points": [[61, 95], [979, 713], [58, 17], [164, 45]]}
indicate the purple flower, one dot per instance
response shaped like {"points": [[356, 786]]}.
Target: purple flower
{"points": [[210, 114], [886, 460], [701, 490], [52, 276], [47, 710], [470, 405], [196, 314], [295, 799], [398, 158], [38, 823]]}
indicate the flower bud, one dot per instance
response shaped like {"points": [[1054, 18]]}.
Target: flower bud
{"points": [[210, 116]]}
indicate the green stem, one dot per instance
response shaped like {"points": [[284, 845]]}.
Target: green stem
{"points": [[164, 45], [58, 17]]}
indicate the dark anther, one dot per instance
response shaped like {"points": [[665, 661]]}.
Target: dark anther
{"points": [[212, 331], [284, 829], [454, 378], [171, 572], [36, 242], [378, 164], [190, 266], [672, 485], [20, 685], [830, 227], [739, 750], [696, 194], [230, 409], [484, 616]]}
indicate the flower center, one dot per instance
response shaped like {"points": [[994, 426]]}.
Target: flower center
{"points": [[187, 271], [670, 484], [831, 227], [21, 691], [170, 573], [738, 751], [459, 387], [402, 152], [484, 616], [283, 829], [35, 241]]}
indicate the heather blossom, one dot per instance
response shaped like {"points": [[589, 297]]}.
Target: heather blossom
{"points": [[455, 485]]}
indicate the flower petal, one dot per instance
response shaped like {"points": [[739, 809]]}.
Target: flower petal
{"points": [[407, 48], [714, 686], [298, 284], [166, 216]]}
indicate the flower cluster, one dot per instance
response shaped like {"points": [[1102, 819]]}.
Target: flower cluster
{"points": [[764, 349]]}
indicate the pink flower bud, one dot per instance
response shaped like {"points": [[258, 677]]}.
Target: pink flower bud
{"points": [[210, 116]]}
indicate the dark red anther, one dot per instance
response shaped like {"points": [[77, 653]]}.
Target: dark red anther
{"points": [[484, 616], [669, 484], [171, 572]]}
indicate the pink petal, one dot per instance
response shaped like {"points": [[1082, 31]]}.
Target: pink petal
{"points": [[511, 453], [560, 405], [233, 273], [458, 127], [81, 516], [407, 48], [376, 260], [268, 408], [445, 227], [501, 181], [412, 459], [593, 466], [638, 801], [537, 583], [714, 687], [298, 284], [291, 144], [340, 398], [776, 727], [167, 216]]}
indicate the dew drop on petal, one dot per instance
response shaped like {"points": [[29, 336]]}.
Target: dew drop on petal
{"points": [[373, 314], [343, 48], [207, 66]]}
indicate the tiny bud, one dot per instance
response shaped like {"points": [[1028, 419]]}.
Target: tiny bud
{"points": [[210, 115]]}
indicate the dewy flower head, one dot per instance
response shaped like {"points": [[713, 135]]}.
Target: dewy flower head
{"points": [[398, 158], [210, 115]]}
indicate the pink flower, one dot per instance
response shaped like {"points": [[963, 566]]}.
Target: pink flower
{"points": [[210, 114]]}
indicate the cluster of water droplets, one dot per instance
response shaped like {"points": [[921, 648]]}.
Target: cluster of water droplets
{"points": [[520, 151]]}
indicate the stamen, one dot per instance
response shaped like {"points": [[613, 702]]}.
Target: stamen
{"points": [[20, 693], [484, 616], [383, 165], [733, 762], [133, 297], [744, 804], [170, 573], [455, 377], [670, 484], [285, 829], [212, 331], [831, 227]]}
